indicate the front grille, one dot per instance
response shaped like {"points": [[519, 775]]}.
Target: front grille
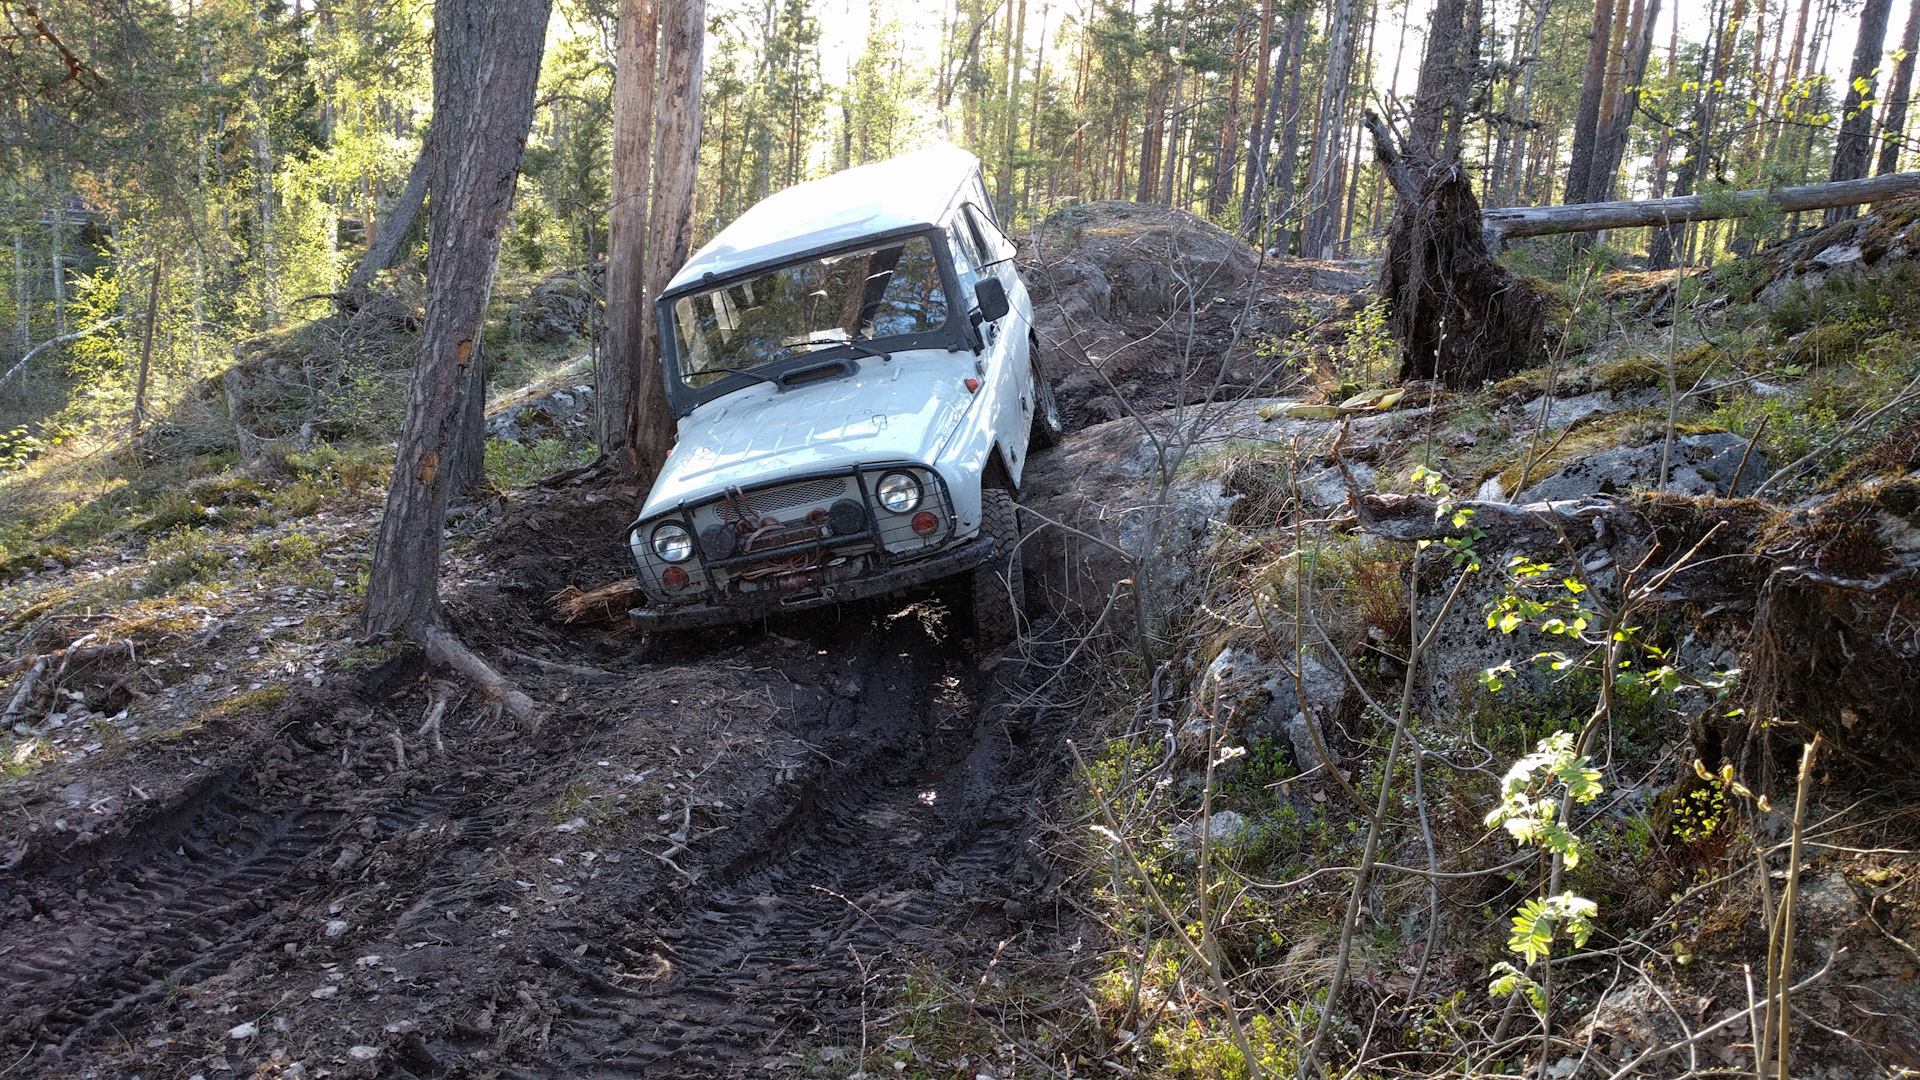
{"points": [[784, 498]]}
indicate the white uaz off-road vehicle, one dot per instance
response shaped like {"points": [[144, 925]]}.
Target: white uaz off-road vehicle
{"points": [[853, 368]]}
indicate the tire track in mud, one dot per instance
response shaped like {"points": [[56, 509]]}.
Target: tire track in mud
{"points": [[915, 846], [905, 836], [119, 930]]}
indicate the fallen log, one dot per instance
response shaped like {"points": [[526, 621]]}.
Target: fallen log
{"points": [[1514, 222]]}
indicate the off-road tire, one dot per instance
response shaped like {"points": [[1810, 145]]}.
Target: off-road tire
{"points": [[1047, 429], [1000, 584]]}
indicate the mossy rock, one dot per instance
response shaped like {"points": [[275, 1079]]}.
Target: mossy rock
{"points": [[1889, 220], [1826, 343], [1638, 372]]}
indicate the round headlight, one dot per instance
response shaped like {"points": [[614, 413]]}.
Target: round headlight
{"points": [[673, 543], [899, 492]]}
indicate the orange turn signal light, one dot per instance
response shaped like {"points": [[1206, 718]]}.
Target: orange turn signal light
{"points": [[674, 577], [924, 522], [973, 386]]}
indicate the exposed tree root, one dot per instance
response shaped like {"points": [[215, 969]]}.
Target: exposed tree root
{"points": [[444, 648], [1458, 315]]}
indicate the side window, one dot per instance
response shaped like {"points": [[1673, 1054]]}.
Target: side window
{"points": [[966, 247], [993, 245]]}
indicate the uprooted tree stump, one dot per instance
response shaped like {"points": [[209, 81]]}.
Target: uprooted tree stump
{"points": [[1459, 316]]}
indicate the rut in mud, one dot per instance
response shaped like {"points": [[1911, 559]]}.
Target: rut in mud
{"points": [[349, 892]]}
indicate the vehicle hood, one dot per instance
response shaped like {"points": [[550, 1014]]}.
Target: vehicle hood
{"points": [[897, 410]]}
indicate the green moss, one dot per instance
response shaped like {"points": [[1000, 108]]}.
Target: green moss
{"points": [[1889, 220], [1650, 370]]}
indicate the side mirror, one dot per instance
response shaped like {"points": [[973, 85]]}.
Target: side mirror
{"points": [[991, 297]]}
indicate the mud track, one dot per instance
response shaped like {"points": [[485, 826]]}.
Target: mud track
{"points": [[372, 904]]}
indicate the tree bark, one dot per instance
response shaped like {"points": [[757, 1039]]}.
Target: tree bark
{"points": [[670, 219], [623, 370], [1514, 222], [1611, 144], [1320, 230], [1853, 148], [1893, 129], [1587, 119], [486, 63], [1439, 67], [1253, 200], [397, 221], [146, 345]]}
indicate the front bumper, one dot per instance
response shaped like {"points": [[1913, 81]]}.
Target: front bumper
{"points": [[760, 605]]}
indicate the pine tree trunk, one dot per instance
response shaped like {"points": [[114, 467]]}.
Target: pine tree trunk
{"points": [[1586, 121], [1283, 179], [383, 246], [1253, 197], [1853, 148], [623, 372], [670, 221], [1170, 165], [486, 63], [1318, 233], [1894, 129], [1611, 146], [1221, 183]]}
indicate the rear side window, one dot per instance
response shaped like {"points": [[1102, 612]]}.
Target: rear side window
{"points": [[992, 244], [966, 244]]}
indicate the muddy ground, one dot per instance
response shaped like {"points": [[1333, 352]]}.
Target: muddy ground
{"points": [[715, 857]]}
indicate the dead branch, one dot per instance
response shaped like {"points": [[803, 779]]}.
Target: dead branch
{"points": [[1414, 517], [608, 604], [26, 690], [563, 669]]}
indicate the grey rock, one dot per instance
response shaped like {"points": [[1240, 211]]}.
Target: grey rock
{"points": [[1222, 827], [1701, 465], [1300, 733]]}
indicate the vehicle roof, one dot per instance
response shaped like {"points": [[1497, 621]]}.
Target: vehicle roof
{"points": [[900, 193]]}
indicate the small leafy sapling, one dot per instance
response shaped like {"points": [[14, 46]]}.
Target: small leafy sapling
{"points": [[1460, 517], [1533, 796]]}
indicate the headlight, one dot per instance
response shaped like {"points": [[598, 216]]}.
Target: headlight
{"points": [[899, 492], [673, 543]]}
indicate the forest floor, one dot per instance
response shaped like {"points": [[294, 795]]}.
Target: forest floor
{"points": [[239, 839]]}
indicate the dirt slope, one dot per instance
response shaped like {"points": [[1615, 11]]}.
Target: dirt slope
{"points": [[697, 865]]}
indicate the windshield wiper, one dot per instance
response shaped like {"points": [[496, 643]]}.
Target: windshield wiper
{"points": [[858, 345], [770, 380]]}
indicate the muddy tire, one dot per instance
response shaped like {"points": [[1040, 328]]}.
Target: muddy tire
{"points": [[999, 586], [1047, 430]]}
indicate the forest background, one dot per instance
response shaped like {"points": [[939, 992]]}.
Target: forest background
{"points": [[182, 177]]}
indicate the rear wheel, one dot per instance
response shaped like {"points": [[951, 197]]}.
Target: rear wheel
{"points": [[999, 585], [1047, 430]]}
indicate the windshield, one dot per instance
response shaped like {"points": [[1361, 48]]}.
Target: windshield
{"points": [[865, 295]]}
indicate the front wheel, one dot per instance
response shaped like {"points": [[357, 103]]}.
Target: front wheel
{"points": [[999, 585], [1047, 429]]}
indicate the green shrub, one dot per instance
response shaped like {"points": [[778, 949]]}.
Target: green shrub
{"points": [[179, 558], [511, 465], [174, 510], [294, 549], [303, 499]]}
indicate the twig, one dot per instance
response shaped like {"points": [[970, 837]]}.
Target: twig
{"points": [[1905, 395], [1311, 1059], [1718, 1025], [1781, 969], [1733, 489]]}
